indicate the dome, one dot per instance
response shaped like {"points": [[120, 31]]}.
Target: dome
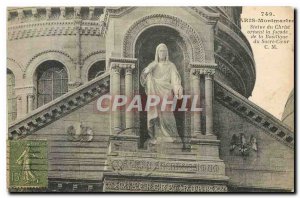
{"points": [[288, 113]]}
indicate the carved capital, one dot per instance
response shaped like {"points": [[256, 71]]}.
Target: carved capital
{"points": [[128, 71], [122, 63], [203, 68], [203, 71], [31, 96], [116, 70]]}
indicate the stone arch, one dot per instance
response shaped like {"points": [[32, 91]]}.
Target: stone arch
{"points": [[16, 69], [190, 36], [49, 55], [89, 60]]}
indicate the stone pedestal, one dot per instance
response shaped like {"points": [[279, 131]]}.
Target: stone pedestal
{"points": [[167, 168], [168, 165]]}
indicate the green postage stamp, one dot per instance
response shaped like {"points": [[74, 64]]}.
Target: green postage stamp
{"points": [[28, 164]]}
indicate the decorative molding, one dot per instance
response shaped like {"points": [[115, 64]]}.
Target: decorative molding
{"points": [[184, 28], [26, 87], [211, 18], [254, 114], [242, 65], [53, 29], [53, 13], [11, 67], [237, 30], [46, 52], [137, 185], [15, 62], [203, 68], [59, 107], [122, 63], [229, 70]]}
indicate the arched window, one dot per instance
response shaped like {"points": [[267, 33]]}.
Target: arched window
{"points": [[11, 97], [52, 81], [96, 70]]}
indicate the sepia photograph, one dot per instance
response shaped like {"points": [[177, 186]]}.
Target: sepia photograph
{"points": [[150, 99]]}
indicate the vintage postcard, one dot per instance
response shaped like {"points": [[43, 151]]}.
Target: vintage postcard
{"points": [[150, 99]]}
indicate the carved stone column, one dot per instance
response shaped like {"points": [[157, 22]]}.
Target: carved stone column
{"points": [[206, 70], [116, 81], [78, 21], [123, 137], [128, 93], [30, 99], [209, 102], [196, 92]]}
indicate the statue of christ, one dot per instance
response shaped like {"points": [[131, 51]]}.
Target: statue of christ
{"points": [[162, 79]]}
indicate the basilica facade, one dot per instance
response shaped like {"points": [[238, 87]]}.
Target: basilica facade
{"points": [[60, 60]]}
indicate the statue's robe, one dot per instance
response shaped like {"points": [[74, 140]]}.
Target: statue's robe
{"points": [[162, 81]]}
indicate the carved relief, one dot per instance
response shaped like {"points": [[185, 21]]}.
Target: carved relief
{"points": [[46, 52], [80, 132], [243, 145]]}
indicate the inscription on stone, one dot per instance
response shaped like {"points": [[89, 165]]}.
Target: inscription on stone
{"points": [[164, 166], [141, 186]]}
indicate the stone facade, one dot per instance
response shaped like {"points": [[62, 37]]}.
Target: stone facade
{"points": [[111, 46]]}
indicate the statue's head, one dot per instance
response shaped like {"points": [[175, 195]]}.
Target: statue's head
{"points": [[162, 53]]}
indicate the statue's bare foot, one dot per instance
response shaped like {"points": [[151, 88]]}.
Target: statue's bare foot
{"points": [[153, 141]]}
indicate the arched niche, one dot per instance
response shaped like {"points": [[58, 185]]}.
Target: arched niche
{"points": [[145, 47], [191, 38]]}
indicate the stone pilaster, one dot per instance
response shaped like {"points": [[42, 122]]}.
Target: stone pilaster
{"points": [[78, 48], [25, 100]]}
